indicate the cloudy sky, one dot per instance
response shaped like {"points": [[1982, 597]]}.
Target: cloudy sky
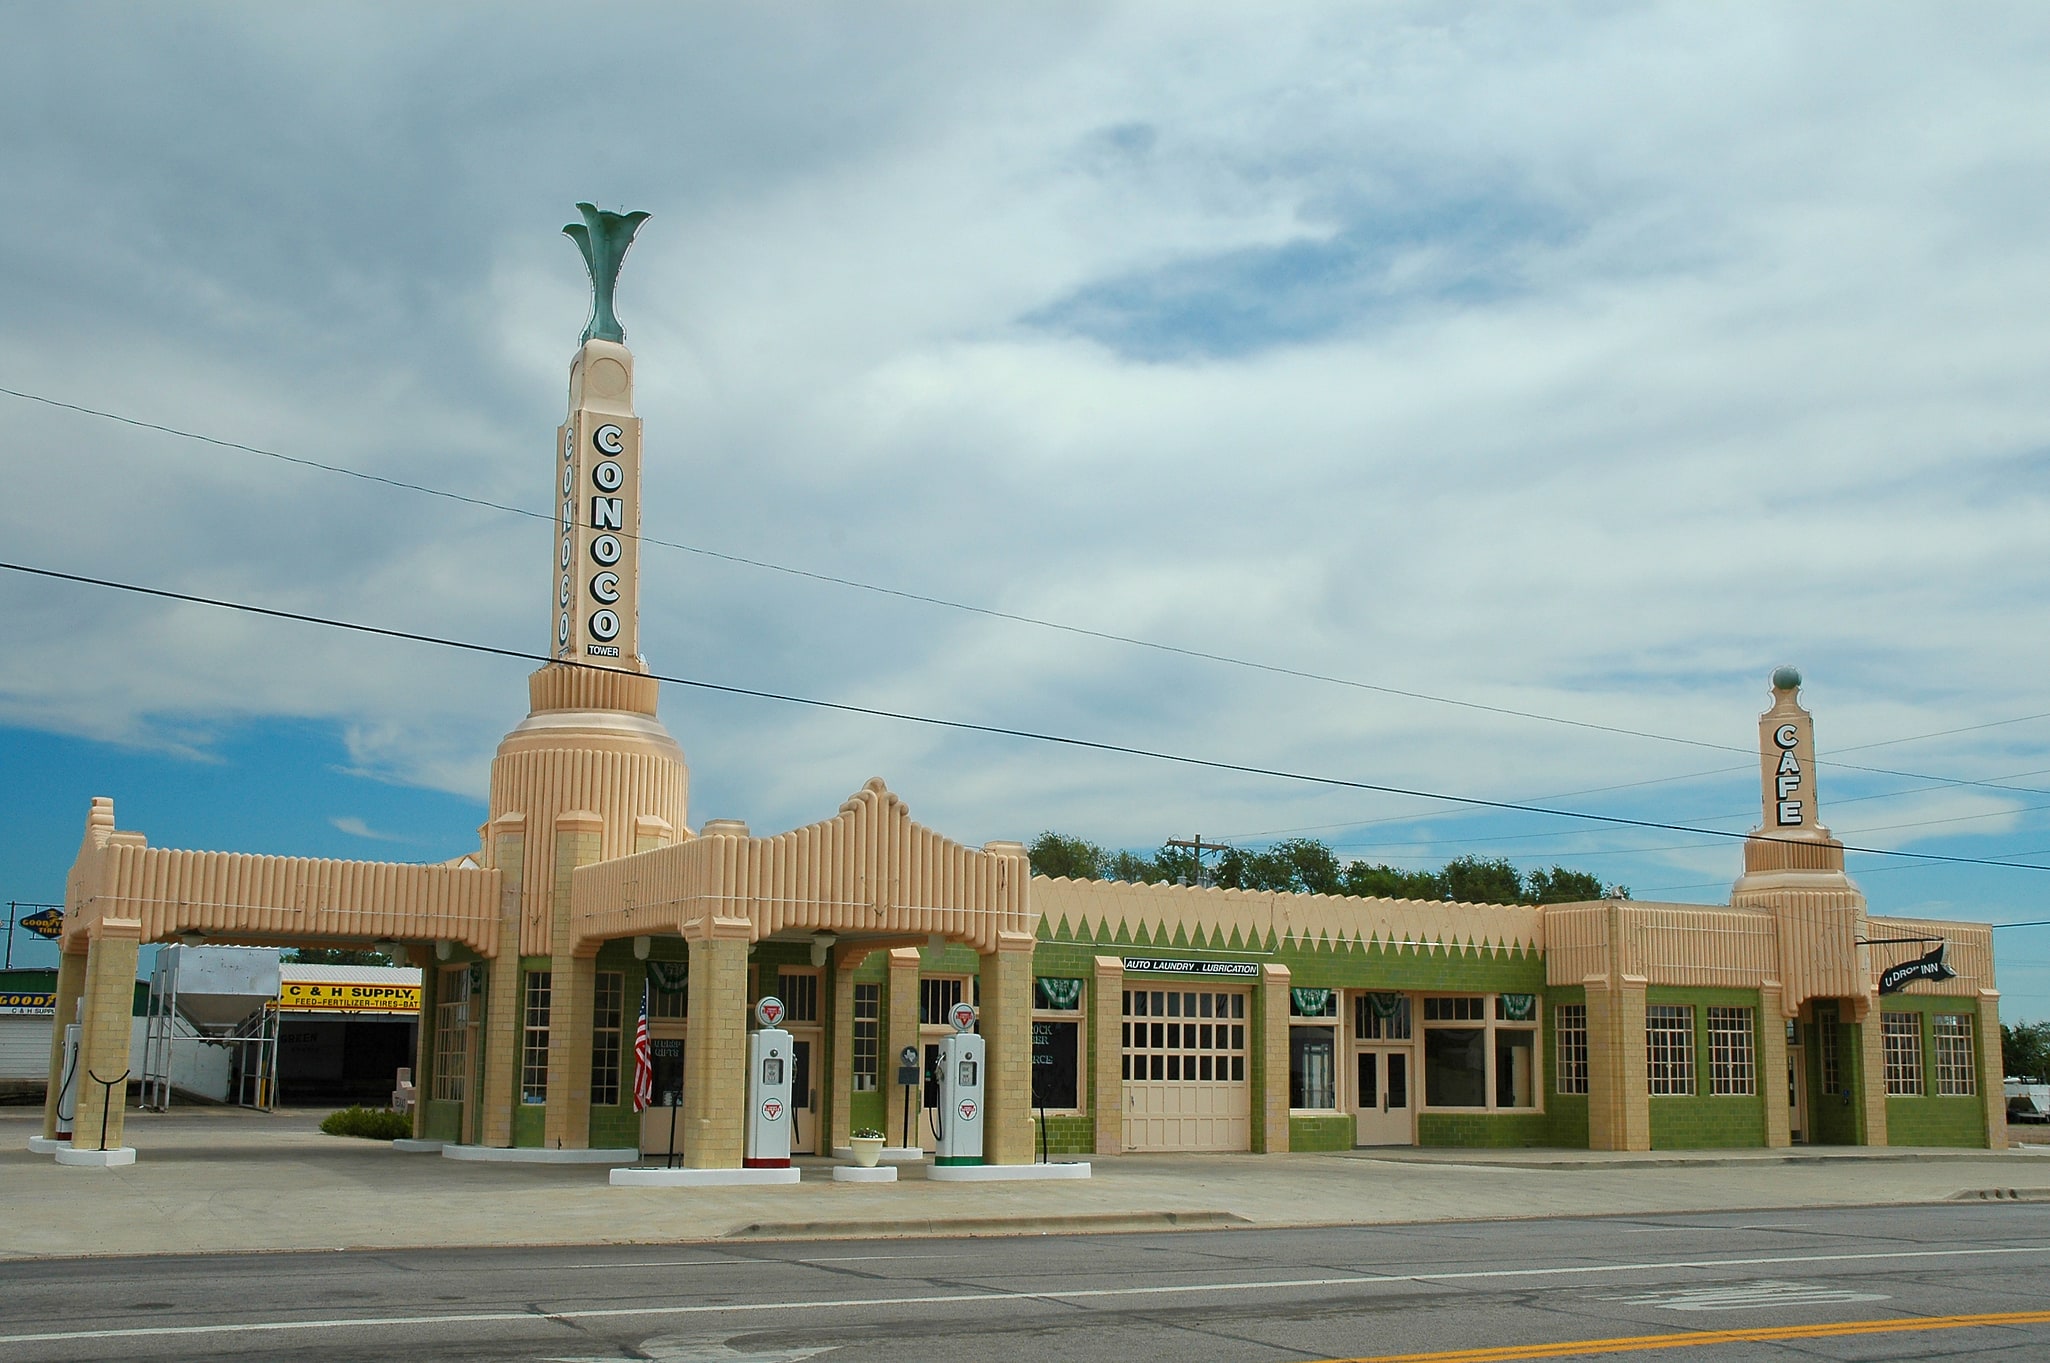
{"points": [[1584, 362]]}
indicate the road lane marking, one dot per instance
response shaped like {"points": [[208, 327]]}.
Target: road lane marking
{"points": [[739, 1262], [1574, 1348], [1747, 1296], [970, 1298]]}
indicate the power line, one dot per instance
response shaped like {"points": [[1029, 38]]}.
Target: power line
{"points": [[969, 726], [1018, 618]]}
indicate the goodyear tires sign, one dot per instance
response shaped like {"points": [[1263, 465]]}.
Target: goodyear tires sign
{"points": [[306, 996]]}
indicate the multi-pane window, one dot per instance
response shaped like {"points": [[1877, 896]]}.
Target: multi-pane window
{"points": [[1732, 1051], [1829, 1044], [608, 1022], [1669, 1048], [534, 1037], [668, 990], [1457, 1058], [1183, 1034], [451, 1033], [1902, 1033], [937, 996], [1569, 1043], [1312, 1048], [1955, 1074], [868, 1012], [1380, 1017], [799, 991]]}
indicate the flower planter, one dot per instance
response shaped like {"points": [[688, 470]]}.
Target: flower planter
{"points": [[867, 1150]]}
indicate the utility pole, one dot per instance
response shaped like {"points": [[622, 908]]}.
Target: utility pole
{"points": [[1199, 847]]}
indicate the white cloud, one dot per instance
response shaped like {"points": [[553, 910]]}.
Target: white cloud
{"points": [[1573, 360]]}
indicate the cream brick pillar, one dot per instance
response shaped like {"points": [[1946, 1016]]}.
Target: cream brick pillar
{"points": [[903, 1031], [1992, 1083], [104, 1040], [1006, 1029], [573, 980], [1270, 1102], [70, 988], [1107, 1067], [1772, 1066], [1618, 1102], [1872, 1070], [840, 1029], [494, 1093], [422, 958], [715, 1061]]}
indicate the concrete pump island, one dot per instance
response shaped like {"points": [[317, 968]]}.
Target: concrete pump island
{"points": [[866, 974]]}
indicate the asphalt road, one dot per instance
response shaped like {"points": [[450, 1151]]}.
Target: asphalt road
{"points": [[1806, 1284]]}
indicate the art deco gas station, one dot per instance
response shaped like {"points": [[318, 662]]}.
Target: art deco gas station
{"points": [[1042, 1018]]}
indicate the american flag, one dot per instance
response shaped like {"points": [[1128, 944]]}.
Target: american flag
{"points": [[644, 1060]]}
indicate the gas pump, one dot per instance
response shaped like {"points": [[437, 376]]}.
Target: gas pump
{"points": [[769, 1056], [959, 1138], [67, 1092]]}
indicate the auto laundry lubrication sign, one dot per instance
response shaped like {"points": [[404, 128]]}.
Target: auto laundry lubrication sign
{"points": [[311, 996]]}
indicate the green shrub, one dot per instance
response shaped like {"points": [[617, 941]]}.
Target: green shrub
{"points": [[371, 1123]]}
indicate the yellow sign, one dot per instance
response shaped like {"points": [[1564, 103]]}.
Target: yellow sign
{"points": [[305, 996]]}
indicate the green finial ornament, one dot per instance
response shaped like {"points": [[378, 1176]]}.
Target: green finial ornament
{"points": [[1786, 679], [603, 238]]}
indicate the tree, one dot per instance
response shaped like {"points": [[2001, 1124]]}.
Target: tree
{"points": [[1474, 880], [2025, 1051], [1298, 865], [335, 956], [1377, 881], [1561, 886], [1057, 854]]}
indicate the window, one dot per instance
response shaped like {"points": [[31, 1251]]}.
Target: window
{"points": [[1669, 1049], [668, 990], [534, 1037], [1501, 1044], [1380, 1017], [1181, 1034], [1455, 1065], [799, 990], [451, 1033], [1569, 1043], [1827, 1042], [868, 1011], [937, 997], [608, 1021], [1057, 1044], [1732, 1052], [1312, 1049], [1902, 1033], [1955, 1076]]}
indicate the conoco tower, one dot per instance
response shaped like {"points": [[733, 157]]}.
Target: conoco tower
{"points": [[590, 774]]}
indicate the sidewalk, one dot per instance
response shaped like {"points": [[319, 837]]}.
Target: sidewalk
{"points": [[224, 1179]]}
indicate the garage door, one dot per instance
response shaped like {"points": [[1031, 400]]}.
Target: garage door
{"points": [[1186, 1086]]}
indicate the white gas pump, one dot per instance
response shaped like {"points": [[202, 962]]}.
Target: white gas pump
{"points": [[959, 1139], [769, 1056], [67, 1093]]}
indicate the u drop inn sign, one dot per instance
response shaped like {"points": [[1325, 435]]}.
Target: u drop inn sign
{"points": [[1929, 967]]}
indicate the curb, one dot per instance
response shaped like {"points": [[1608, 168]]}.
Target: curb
{"points": [[978, 1226]]}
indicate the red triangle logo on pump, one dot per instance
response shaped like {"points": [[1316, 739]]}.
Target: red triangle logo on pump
{"points": [[967, 1109]]}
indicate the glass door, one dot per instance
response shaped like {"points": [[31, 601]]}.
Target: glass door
{"points": [[1383, 1097]]}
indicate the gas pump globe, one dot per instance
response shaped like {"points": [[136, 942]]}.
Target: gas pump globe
{"points": [[959, 1139], [769, 1074]]}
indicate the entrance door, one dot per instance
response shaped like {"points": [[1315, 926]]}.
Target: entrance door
{"points": [[804, 1094], [1797, 1093], [1185, 1083], [1384, 1097], [661, 1122]]}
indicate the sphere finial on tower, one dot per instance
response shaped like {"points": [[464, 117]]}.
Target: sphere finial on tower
{"points": [[1786, 679]]}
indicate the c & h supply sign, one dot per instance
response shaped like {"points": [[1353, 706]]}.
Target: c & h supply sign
{"points": [[31, 1002], [302, 996]]}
